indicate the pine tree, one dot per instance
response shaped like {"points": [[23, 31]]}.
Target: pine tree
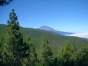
{"points": [[1, 44], [14, 39], [30, 52], [83, 55], [46, 52], [74, 52], [4, 53], [64, 54]]}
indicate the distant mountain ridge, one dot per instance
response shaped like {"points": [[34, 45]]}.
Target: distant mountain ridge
{"points": [[81, 35], [46, 28]]}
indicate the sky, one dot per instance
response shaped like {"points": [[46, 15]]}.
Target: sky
{"points": [[61, 15]]}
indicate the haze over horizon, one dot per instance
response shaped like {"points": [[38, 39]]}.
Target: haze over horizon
{"points": [[61, 15]]}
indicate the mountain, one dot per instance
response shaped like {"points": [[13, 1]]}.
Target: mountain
{"points": [[46, 28], [36, 35], [80, 35]]}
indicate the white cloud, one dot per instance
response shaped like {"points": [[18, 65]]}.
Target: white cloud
{"points": [[81, 35]]}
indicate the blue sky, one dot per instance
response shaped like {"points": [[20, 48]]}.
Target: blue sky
{"points": [[62, 15]]}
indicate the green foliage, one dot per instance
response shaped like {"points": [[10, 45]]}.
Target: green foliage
{"points": [[14, 39], [32, 56], [83, 56], [16, 50], [67, 54], [55, 40], [13, 47], [46, 53]]}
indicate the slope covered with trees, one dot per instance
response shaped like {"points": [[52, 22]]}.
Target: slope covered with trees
{"points": [[33, 47], [54, 39]]}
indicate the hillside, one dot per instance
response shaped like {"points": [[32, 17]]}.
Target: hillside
{"points": [[55, 39]]}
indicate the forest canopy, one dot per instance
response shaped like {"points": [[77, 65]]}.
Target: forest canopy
{"points": [[16, 50]]}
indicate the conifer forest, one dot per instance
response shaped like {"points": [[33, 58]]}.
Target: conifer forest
{"points": [[18, 48]]}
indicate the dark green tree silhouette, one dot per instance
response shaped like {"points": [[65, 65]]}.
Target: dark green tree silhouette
{"points": [[30, 52], [14, 39], [1, 50], [46, 53], [67, 54], [5, 2], [83, 56], [5, 54]]}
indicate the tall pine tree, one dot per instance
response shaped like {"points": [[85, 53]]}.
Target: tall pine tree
{"points": [[14, 39], [46, 53], [83, 55], [30, 52]]}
